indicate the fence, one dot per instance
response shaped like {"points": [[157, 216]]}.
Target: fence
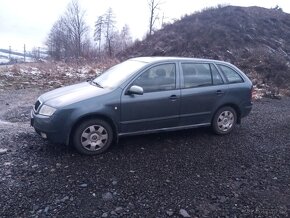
{"points": [[9, 56]]}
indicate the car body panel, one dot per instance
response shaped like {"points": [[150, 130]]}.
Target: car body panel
{"points": [[198, 104], [71, 94], [153, 110]]}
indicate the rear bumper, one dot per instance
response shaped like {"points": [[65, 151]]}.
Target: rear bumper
{"points": [[48, 129]]}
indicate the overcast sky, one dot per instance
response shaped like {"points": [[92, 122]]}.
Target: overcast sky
{"points": [[29, 21]]}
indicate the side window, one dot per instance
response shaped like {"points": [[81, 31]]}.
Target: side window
{"points": [[231, 75], [196, 75], [158, 78], [216, 77]]}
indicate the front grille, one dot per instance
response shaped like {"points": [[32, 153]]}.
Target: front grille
{"points": [[37, 104]]}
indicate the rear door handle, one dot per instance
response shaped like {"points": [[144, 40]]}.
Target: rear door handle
{"points": [[173, 97], [220, 92]]}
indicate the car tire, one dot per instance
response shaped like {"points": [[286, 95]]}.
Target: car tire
{"points": [[93, 137], [224, 120]]}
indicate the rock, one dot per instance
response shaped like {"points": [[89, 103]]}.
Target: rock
{"points": [[46, 209], [114, 213], [169, 212], [64, 199], [35, 208], [130, 205], [114, 182], [107, 196], [3, 150], [184, 213], [104, 215], [119, 209], [222, 199]]}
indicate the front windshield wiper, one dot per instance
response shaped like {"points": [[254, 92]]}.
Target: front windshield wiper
{"points": [[96, 84]]}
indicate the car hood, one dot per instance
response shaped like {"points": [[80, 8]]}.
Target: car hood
{"points": [[70, 94]]}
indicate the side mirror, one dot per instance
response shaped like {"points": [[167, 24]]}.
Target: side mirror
{"points": [[135, 90]]}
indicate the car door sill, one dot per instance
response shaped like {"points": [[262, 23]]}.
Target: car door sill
{"points": [[164, 129]]}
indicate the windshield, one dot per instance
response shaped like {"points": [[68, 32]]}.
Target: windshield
{"points": [[116, 75]]}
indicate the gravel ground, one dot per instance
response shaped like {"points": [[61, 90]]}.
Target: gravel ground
{"points": [[178, 174]]}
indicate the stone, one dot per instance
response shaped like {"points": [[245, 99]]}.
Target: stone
{"points": [[104, 215], [107, 196], [119, 209], [184, 213], [46, 209], [169, 212], [3, 150]]}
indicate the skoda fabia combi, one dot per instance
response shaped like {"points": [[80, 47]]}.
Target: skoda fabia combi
{"points": [[144, 95]]}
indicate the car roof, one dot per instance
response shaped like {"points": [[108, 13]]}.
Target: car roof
{"points": [[164, 59]]}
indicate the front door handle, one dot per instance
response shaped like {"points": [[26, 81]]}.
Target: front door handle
{"points": [[220, 92], [173, 97]]}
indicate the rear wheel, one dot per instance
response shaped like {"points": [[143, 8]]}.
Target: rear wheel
{"points": [[224, 120], [93, 137]]}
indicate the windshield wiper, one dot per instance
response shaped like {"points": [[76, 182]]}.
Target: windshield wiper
{"points": [[97, 84]]}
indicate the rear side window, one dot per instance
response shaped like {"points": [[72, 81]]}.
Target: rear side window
{"points": [[196, 75], [231, 75], [216, 77]]}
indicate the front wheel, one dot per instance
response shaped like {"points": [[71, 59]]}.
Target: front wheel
{"points": [[224, 120], [93, 137]]}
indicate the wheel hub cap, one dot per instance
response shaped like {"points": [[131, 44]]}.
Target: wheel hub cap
{"points": [[225, 121], [94, 137]]}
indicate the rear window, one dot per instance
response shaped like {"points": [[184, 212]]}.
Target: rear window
{"points": [[231, 75]]}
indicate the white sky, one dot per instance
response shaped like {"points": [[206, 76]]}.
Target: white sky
{"points": [[29, 21]]}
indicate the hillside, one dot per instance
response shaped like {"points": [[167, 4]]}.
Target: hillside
{"points": [[255, 39]]}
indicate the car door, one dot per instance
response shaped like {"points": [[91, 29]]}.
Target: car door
{"points": [[201, 90], [158, 106]]}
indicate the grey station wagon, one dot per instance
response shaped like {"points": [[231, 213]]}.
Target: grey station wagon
{"points": [[144, 95]]}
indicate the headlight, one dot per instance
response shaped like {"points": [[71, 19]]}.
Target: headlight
{"points": [[46, 110]]}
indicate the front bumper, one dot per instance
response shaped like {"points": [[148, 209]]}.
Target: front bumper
{"points": [[49, 128]]}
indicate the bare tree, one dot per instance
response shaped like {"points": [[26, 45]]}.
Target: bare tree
{"points": [[57, 41], [35, 53], [69, 33], [125, 37], [76, 25], [107, 35], [154, 7]]}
